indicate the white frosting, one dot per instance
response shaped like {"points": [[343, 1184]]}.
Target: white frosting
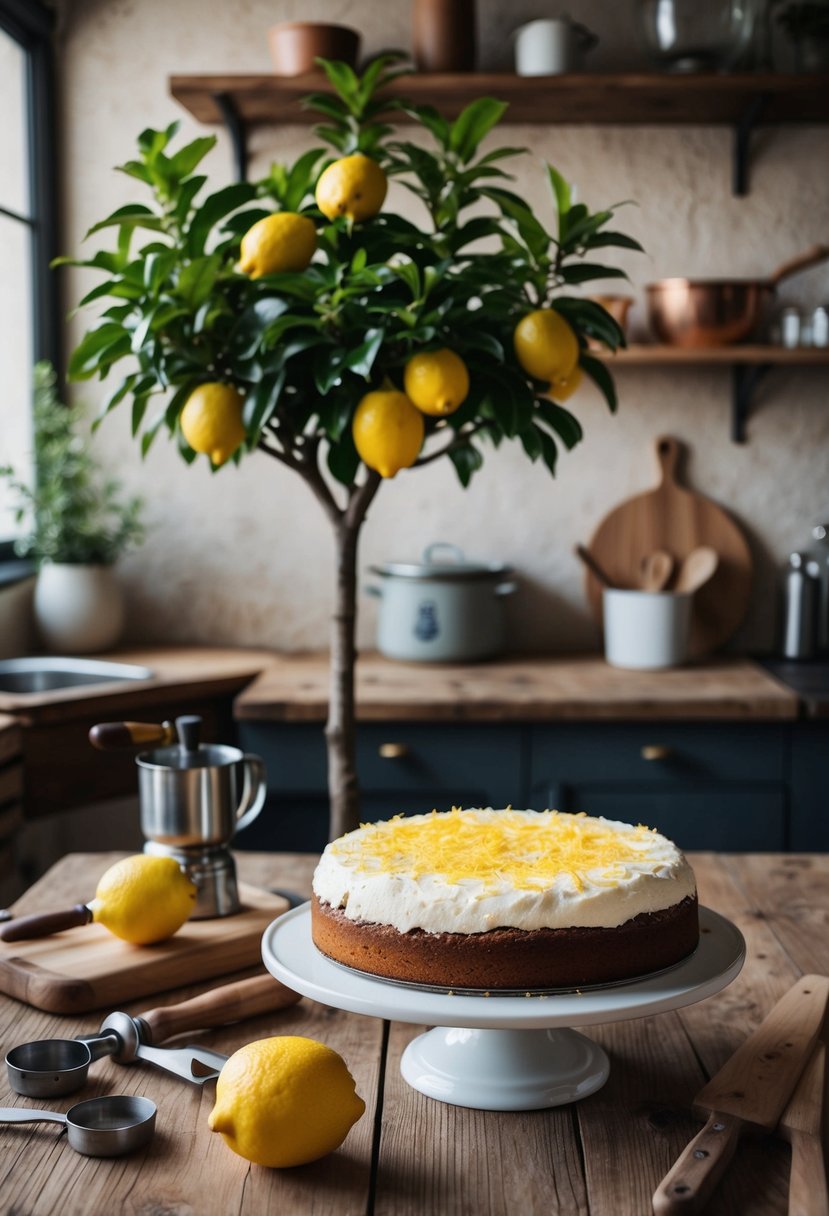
{"points": [[652, 874]]}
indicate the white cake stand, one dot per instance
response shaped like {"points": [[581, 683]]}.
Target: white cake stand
{"points": [[511, 1052]]}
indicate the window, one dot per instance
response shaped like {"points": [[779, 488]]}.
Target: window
{"points": [[28, 293]]}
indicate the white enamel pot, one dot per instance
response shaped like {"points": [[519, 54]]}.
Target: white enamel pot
{"points": [[443, 609]]}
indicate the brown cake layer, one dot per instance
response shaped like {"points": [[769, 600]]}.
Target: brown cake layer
{"points": [[510, 958]]}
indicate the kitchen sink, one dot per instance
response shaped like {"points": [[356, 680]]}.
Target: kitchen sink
{"points": [[49, 673]]}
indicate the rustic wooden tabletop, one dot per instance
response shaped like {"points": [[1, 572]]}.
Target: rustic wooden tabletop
{"points": [[410, 1154]]}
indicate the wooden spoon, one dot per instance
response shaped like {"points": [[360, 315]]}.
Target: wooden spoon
{"points": [[657, 568], [802, 1125], [593, 566], [696, 569]]}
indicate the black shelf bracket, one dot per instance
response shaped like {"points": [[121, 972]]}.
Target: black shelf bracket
{"points": [[745, 379], [742, 141], [236, 129]]}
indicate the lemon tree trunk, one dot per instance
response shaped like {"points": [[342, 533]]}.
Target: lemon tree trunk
{"points": [[341, 727]]}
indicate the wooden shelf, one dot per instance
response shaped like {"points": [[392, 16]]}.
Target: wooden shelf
{"points": [[740, 101], [594, 98], [644, 355]]}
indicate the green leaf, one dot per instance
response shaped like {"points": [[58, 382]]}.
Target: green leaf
{"points": [[590, 319], [409, 273], [432, 120], [361, 360], [587, 272], [139, 409], [531, 442], [116, 396], [89, 352], [549, 451], [563, 194], [343, 459], [152, 142], [344, 80], [328, 367], [195, 283], [530, 230], [617, 240], [186, 159], [301, 179], [261, 402], [566, 426], [335, 414], [602, 378], [214, 208], [467, 460], [131, 215], [472, 124]]}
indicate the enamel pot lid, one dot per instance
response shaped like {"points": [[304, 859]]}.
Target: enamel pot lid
{"points": [[442, 562]]}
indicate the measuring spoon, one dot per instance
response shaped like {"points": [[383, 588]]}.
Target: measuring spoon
{"points": [[51, 1067], [100, 1127]]}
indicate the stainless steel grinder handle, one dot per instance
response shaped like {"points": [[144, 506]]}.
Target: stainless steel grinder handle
{"points": [[253, 798]]}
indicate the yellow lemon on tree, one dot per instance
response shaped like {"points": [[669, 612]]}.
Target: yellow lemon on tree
{"points": [[143, 899], [545, 345], [436, 381], [565, 386], [388, 431], [281, 242], [211, 420], [354, 186], [285, 1101]]}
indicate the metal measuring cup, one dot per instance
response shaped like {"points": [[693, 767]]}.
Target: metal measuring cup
{"points": [[100, 1127]]}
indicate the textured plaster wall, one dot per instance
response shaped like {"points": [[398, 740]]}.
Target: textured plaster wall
{"points": [[245, 557]]}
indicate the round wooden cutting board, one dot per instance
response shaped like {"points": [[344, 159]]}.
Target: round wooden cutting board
{"points": [[673, 517]]}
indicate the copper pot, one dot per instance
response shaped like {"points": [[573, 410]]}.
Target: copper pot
{"points": [[718, 312], [295, 45]]}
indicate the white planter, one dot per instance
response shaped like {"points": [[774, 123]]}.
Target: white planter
{"points": [[78, 609]]}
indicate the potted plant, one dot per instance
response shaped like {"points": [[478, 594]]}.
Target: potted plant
{"points": [[78, 526], [295, 317], [807, 24]]}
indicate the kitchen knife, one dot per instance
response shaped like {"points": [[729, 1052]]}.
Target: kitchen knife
{"points": [[802, 1125], [750, 1091]]}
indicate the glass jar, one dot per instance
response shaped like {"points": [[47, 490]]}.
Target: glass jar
{"points": [[689, 36]]}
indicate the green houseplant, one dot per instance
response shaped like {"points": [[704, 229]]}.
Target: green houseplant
{"points": [[78, 525], [289, 315]]}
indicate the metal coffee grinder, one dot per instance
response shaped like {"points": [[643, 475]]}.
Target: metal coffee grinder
{"points": [[193, 798]]}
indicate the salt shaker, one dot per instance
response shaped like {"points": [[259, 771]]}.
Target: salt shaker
{"points": [[801, 607]]}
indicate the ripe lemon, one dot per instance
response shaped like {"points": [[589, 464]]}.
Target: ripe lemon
{"points": [[354, 186], [388, 431], [436, 381], [143, 899], [280, 242], [285, 1101], [565, 386], [545, 345], [211, 421]]}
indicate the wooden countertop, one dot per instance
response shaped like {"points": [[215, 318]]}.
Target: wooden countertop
{"points": [[186, 670], [410, 1154], [295, 689]]}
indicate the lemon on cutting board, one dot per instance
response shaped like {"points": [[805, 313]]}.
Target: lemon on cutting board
{"points": [[143, 899], [285, 1101]]}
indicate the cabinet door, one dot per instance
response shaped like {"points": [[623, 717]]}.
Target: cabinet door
{"points": [[403, 768], [810, 781]]}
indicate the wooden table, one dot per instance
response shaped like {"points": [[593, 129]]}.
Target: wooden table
{"points": [[411, 1155]]}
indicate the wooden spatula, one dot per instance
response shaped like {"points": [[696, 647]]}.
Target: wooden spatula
{"points": [[802, 1125]]}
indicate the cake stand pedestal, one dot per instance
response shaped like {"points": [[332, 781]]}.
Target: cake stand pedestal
{"points": [[502, 1052]]}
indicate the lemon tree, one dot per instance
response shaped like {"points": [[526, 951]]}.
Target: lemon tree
{"points": [[285, 1101], [296, 318]]}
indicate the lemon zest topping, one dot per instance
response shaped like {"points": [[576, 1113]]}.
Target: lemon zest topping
{"points": [[505, 847]]}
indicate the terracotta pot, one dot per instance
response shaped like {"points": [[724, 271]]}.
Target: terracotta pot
{"points": [[294, 45], [443, 35]]}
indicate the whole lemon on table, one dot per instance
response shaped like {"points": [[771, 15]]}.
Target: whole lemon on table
{"points": [[545, 345], [354, 186], [388, 431], [285, 1101], [143, 899], [436, 381], [281, 242], [211, 420]]}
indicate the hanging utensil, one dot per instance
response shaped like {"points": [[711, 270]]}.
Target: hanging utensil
{"points": [[100, 1127], [750, 1091], [50, 1067], [593, 566]]}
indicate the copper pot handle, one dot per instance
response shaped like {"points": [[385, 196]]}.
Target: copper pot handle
{"points": [[818, 253]]}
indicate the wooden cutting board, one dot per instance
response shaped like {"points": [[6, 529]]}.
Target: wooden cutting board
{"points": [[87, 968], [673, 517]]}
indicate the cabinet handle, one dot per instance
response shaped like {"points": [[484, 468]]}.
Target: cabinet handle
{"points": [[393, 751], [656, 751]]}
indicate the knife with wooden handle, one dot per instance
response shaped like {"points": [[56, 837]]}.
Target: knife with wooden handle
{"points": [[750, 1091], [802, 1125]]}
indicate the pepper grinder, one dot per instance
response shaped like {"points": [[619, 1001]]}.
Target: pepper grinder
{"points": [[800, 620]]}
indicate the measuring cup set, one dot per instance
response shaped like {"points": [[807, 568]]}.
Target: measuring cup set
{"points": [[115, 1124]]}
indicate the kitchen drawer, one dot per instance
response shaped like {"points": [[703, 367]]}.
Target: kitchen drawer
{"points": [[657, 753], [743, 817]]}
